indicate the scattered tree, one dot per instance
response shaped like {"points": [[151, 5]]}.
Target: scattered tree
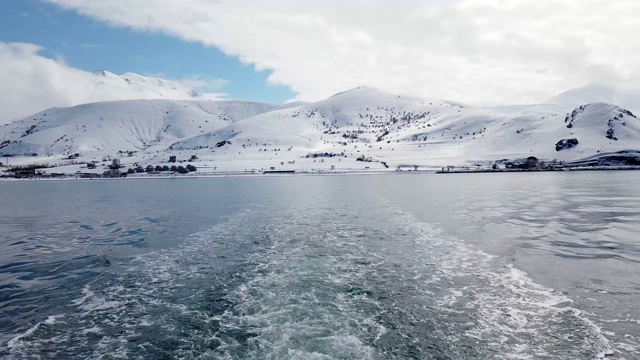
{"points": [[182, 170]]}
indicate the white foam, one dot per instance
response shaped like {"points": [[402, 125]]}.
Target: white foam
{"points": [[311, 293], [512, 309], [95, 330], [17, 341], [91, 302]]}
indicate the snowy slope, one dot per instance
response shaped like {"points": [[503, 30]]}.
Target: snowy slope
{"points": [[597, 94], [348, 123], [111, 127], [353, 130], [406, 131], [145, 87]]}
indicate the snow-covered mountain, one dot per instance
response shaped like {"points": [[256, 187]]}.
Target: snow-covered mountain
{"points": [[597, 94], [121, 126], [353, 130], [146, 87]]}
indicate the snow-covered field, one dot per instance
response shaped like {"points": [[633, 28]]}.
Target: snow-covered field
{"points": [[357, 130]]}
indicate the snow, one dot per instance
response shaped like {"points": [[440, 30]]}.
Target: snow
{"points": [[131, 125], [146, 87], [401, 131], [597, 94]]}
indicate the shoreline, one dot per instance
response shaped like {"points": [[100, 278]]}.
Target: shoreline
{"points": [[289, 173], [234, 174], [565, 169], [225, 175]]}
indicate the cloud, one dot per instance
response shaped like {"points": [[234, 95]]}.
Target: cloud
{"points": [[30, 83], [204, 84], [474, 51]]}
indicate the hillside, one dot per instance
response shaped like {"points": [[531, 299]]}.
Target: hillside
{"points": [[353, 130], [597, 94], [76, 88], [108, 128], [146, 87]]}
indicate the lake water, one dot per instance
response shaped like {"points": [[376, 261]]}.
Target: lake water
{"points": [[465, 266]]}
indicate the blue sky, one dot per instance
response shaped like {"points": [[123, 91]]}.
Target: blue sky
{"points": [[90, 45]]}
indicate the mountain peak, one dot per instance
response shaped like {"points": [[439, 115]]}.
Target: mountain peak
{"points": [[363, 124], [362, 91], [592, 93], [597, 93]]}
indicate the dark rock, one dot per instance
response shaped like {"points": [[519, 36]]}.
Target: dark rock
{"points": [[566, 144]]}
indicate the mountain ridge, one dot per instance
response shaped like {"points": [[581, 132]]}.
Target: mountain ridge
{"points": [[359, 128]]}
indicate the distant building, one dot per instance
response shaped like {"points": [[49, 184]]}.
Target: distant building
{"points": [[115, 164], [28, 171], [20, 173], [279, 172]]}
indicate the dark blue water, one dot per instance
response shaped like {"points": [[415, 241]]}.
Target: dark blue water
{"points": [[523, 266]]}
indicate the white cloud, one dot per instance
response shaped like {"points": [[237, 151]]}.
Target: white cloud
{"points": [[204, 84], [30, 83], [474, 51]]}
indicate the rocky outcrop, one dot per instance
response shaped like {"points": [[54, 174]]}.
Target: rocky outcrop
{"points": [[566, 144]]}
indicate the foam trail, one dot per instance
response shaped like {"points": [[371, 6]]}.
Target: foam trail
{"points": [[318, 281], [508, 312]]}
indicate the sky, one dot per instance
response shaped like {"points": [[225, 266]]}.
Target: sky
{"points": [[478, 52], [82, 43]]}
